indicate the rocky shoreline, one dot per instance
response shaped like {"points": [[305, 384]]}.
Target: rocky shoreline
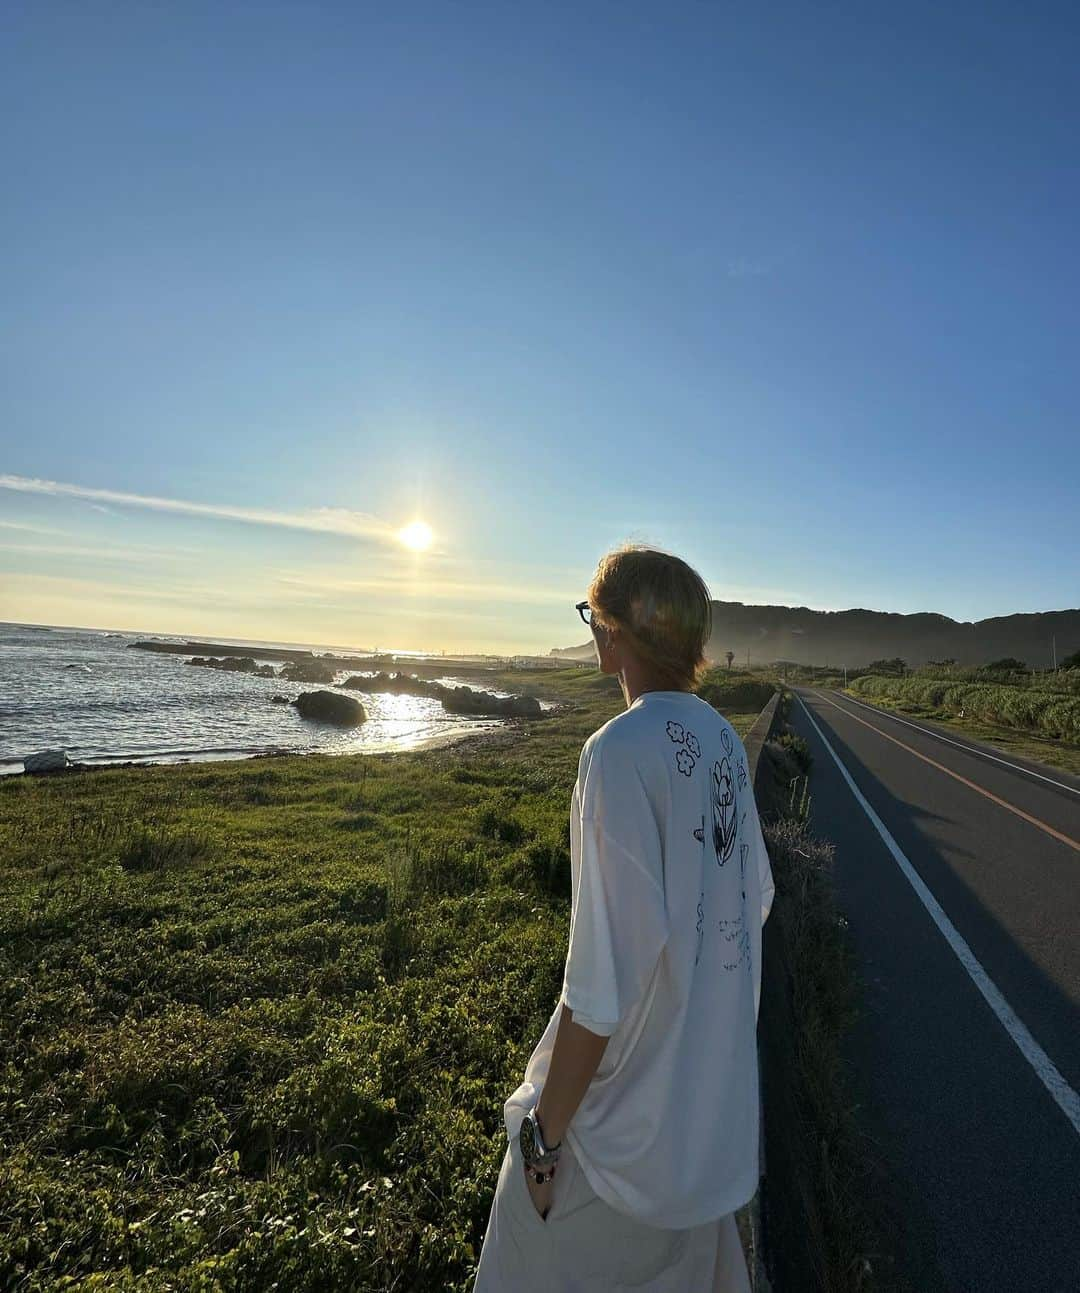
{"points": [[425, 666], [332, 707], [332, 702], [467, 742]]}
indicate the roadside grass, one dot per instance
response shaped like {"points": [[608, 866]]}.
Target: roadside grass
{"points": [[1048, 750], [1046, 705]]}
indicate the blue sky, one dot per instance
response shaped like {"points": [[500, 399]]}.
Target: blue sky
{"points": [[790, 291]]}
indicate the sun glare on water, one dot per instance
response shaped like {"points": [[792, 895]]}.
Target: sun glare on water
{"points": [[417, 535]]}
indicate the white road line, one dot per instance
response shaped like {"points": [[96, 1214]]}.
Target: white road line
{"points": [[971, 749], [1064, 1096]]}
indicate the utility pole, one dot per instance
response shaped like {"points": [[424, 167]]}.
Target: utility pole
{"points": [[1053, 647]]}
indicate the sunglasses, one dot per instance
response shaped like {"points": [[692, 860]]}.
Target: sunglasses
{"points": [[583, 610]]}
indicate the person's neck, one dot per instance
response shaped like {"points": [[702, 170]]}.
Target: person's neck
{"points": [[634, 685]]}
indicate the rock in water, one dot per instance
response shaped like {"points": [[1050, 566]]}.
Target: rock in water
{"points": [[330, 707], [398, 683], [45, 760], [464, 700], [233, 664], [307, 671]]}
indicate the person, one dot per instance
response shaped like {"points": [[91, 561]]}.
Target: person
{"points": [[633, 1137]]}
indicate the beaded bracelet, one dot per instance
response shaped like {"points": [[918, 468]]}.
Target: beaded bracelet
{"points": [[539, 1175]]}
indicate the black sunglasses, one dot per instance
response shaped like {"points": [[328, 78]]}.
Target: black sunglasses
{"points": [[582, 609]]}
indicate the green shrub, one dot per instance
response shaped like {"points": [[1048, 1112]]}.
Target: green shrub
{"points": [[1045, 710], [737, 694], [797, 747]]}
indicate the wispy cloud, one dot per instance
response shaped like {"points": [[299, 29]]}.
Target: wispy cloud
{"points": [[332, 520], [99, 552], [303, 585], [101, 589], [100, 596], [33, 529]]}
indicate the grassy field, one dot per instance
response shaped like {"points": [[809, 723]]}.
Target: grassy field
{"points": [[259, 1018]]}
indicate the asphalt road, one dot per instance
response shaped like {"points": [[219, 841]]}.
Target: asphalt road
{"points": [[981, 1161]]}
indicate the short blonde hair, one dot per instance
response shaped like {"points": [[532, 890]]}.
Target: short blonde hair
{"points": [[660, 605]]}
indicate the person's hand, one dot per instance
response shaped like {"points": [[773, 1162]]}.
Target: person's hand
{"points": [[541, 1194]]}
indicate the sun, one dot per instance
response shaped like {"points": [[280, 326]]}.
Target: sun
{"points": [[416, 535]]}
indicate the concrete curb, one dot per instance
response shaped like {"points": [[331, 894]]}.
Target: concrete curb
{"points": [[748, 1217]]}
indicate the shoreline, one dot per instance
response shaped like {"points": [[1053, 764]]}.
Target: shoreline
{"points": [[513, 729]]}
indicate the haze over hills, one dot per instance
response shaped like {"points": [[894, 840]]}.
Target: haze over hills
{"points": [[857, 637]]}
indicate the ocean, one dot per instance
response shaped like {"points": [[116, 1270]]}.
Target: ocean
{"points": [[87, 692]]}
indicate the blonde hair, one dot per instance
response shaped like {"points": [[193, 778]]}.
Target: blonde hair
{"points": [[660, 605]]}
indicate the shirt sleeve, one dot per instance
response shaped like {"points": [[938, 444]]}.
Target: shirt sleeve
{"points": [[618, 923]]}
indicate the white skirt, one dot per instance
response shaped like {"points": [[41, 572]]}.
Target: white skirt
{"points": [[584, 1245]]}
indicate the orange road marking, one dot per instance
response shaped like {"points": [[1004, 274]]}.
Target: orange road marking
{"points": [[1035, 821]]}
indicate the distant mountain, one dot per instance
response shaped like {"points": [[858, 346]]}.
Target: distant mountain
{"points": [[857, 637]]}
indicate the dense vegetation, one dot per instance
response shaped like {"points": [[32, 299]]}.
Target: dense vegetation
{"points": [[258, 1019], [1044, 703]]}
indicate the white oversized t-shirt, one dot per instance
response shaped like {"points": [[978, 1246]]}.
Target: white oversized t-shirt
{"points": [[671, 886]]}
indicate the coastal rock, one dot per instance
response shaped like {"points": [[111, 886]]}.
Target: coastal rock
{"points": [[45, 761], [307, 671], [464, 700], [398, 683], [525, 707], [456, 700], [330, 707], [280, 700], [234, 664]]}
